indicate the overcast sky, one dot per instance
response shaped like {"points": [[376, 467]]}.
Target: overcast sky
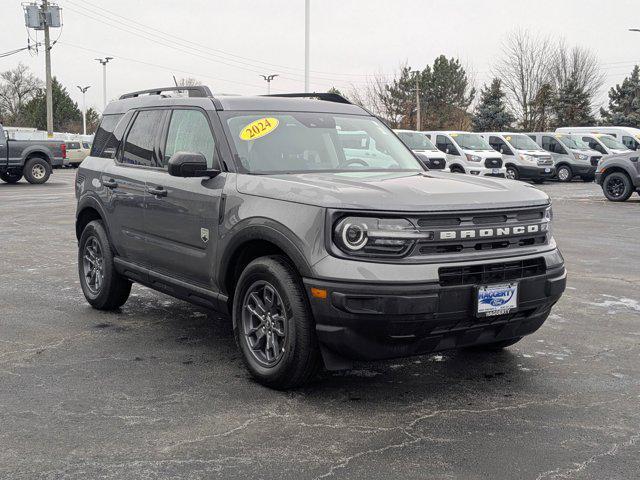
{"points": [[227, 44]]}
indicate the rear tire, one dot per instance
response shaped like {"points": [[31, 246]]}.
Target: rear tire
{"points": [[102, 286], [11, 177], [273, 324], [495, 346], [617, 187], [37, 170], [564, 173]]}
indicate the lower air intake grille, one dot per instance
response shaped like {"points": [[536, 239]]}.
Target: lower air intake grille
{"points": [[491, 272]]}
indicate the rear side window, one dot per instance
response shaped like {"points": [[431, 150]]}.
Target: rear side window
{"points": [[104, 138], [86, 145], [189, 131], [139, 147]]}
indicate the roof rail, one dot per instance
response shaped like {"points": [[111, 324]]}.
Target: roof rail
{"points": [[326, 96], [196, 91]]}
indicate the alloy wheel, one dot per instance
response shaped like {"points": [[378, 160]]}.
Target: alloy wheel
{"points": [[93, 265], [563, 174], [38, 171], [615, 187], [264, 323]]}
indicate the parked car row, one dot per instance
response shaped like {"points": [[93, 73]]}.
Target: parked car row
{"points": [[606, 154]]}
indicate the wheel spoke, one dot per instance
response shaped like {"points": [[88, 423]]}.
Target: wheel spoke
{"points": [[258, 303], [269, 297]]}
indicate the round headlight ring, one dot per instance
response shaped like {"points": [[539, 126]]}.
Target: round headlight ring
{"points": [[354, 236]]}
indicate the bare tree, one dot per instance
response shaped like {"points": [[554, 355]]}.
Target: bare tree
{"points": [[579, 65], [17, 87], [523, 69]]}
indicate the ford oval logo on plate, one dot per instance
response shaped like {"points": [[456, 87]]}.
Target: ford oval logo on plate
{"points": [[497, 299]]}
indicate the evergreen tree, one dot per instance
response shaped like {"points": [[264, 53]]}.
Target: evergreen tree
{"points": [[541, 108], [491, 114], [66, 114], [624, 102], [572, 105]]}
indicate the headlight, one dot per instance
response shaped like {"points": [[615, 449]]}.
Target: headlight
{"points": [[527, 158], [581, 156], [473, 158], [377, 236], [548, 214]]}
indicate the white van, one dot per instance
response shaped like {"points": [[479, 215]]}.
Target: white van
{"points": [[468, 153], [629, 136], [601, 142], [523, 158], [571, 155], [426, 151]]}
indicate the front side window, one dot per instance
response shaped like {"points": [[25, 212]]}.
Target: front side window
{"points": [[593, 144], [139, 147], [573, 142], [189, 131], [629, 142], [289, 142], [445, 145], [611, 142], [499, 145], [552, 145], [522, 142]]}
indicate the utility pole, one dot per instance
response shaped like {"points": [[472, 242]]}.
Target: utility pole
{"points": [[47, 63], [104, 62], [84, 107], [418, 123], [268, 79], [307, 15]]}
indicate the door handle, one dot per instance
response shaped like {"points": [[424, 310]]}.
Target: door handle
{"points": [[158, 191], [111, 183]]}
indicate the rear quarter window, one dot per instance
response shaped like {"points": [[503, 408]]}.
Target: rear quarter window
{"points": [[104, 137]]}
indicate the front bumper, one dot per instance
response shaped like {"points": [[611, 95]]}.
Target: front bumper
{"points": [[359, 321], [536, 172], [584, 170]]}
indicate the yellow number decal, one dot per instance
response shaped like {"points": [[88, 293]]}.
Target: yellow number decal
{"points": [[258, 128]]}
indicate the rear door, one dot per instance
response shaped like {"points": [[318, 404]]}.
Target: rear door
{"points": [[125, 181], [182, 213]]}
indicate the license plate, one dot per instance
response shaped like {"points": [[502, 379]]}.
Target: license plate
{"points": [[497, 299], [547, 170], [495, 171]]}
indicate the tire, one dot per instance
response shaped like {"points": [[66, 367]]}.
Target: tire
{"points": [[564, 173], [495, 346], [37, 170], [457, 169], [512, 173], [295, 356], [10, 177], [107, 290], [617, 187]]}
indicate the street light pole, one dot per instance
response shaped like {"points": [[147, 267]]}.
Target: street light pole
{"points": [[307, 21], [84, 107], [418, 123], [104, 62], [268, 79]]}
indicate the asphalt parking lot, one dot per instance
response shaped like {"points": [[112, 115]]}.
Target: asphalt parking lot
{"points": [[159, 391]]}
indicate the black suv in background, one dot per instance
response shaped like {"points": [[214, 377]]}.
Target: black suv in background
{"points": [[321, 253]]}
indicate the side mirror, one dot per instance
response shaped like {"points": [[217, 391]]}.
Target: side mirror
{"points": [[446, 150], [188, 164]]}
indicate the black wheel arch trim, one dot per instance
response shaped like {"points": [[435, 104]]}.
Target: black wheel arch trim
{"points": [[89, 201], [260, 228]]}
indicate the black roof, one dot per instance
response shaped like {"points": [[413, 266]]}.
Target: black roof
{"points": [[202, 97]]}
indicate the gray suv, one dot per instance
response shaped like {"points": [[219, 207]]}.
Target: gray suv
{"points": [[249, 205]]}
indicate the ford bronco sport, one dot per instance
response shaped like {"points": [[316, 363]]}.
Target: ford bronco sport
{"points": [[249, 205]]}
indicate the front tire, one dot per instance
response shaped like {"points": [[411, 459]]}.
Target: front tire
{"points": [[512, 173], [37, 170], [10, 177], [273, 324], [617, 187], [102, 286], [564, 173]]}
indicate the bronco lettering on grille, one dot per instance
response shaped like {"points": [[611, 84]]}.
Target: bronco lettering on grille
{"points": [[491, 232]]}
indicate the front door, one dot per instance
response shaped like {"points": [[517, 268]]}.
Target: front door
{"points": [[182, 213]]}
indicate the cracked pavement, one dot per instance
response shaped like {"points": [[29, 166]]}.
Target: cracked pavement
{"points": [[158, 390]]}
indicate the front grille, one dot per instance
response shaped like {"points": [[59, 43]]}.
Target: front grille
{"points": [[594, 161], [446, 238], [436, 163], [491, 272], [493, 163], [545, 161]]}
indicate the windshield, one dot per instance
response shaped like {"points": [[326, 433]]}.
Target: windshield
{"points": [[574, 142], [522, 142], [471, 141], [290, 142], [417, 141], [611, 142]]}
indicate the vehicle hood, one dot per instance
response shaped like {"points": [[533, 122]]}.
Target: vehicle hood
{"points": [[432, 154], [483, 153], [393, 191]]}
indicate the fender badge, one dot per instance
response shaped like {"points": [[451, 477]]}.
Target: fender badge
{"points": [[204, 234]]}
